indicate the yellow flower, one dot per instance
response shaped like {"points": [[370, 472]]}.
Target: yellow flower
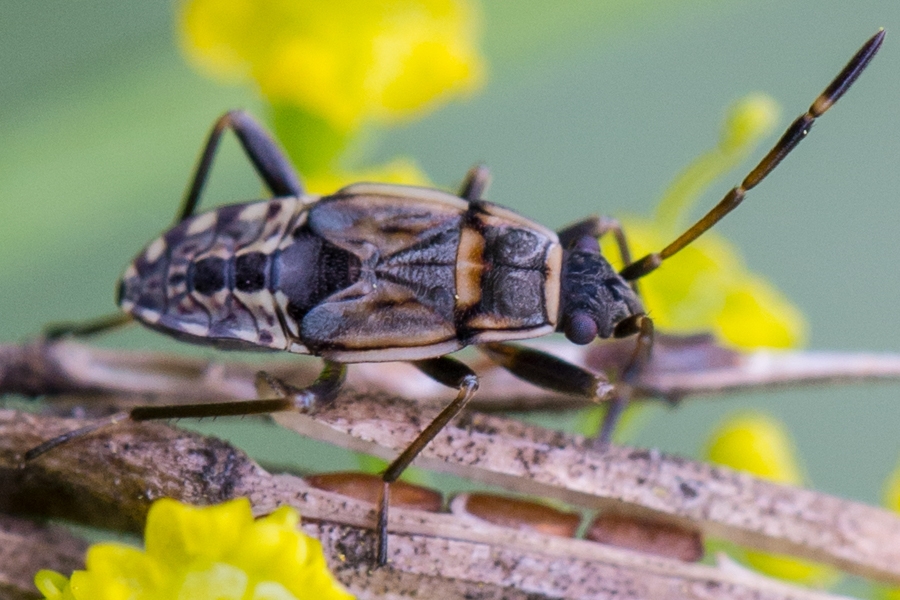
{"points": [[706, 286], [758, 444], [215, 553], [347, 61]]}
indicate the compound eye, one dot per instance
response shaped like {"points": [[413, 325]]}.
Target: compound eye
{"points": [[580, 328]]}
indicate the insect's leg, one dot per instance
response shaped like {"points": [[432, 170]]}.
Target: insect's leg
{"points": [[548, 371], [268, 159], [265, 154], [476, 183], [642, 326], [789, 140], [323, 389], [447, 371], [555, 374], [54, 331]]}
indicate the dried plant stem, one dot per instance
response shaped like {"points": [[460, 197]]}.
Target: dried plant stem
{"points": [[110, 477], [681, 368], [110, 480]]}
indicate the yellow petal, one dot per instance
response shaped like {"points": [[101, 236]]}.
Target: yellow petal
{"points": [[755, 315], [218, 582], [214, 553], [283, 516], [423, 52], [115, 568], [178, 533], [272, 590], [264, 548], [213, 32], [793, 569], [51, 584], [86, 585], [748, 121]]}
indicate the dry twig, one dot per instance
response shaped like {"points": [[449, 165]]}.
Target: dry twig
{"points": [[111, 479], [682, 367]]}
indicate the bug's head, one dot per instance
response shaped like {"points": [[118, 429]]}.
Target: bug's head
{"points": [[595, 300]]}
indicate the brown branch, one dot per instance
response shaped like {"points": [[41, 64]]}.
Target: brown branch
{"points": [[444, 554], [722, 503], [681, 367], [109, 479]]}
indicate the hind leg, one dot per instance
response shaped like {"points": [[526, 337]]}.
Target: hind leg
{"points": [[268, 160]]}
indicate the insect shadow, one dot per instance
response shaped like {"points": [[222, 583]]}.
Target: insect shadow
{"points": [[378, 272]]}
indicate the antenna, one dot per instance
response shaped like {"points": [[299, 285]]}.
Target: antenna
{"points": [[789, 140]]}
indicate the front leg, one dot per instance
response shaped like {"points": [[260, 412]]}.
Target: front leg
{"points": [[642, 326], [552, 373], [549, 372]]}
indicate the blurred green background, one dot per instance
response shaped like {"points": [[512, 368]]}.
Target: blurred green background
{"points": [[590, 107]]}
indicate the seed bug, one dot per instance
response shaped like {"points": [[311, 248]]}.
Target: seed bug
{"points": [[379, 272]]}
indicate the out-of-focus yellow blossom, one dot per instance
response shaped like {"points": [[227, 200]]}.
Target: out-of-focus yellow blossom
{"points": [[790, 568], [327, 69], [706, 286], [347, 61], [759, 444], [212, 553]]}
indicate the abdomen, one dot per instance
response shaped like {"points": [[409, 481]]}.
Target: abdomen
{"points": [[217, 278]]}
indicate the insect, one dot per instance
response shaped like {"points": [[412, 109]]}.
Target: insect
{"points": [[379, 272]]}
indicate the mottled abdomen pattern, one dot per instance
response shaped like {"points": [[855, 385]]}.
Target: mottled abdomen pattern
{"points": [[372, 273], [220, 277]]}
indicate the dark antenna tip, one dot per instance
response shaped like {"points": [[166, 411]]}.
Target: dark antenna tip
{"points": [[71, 435]]}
